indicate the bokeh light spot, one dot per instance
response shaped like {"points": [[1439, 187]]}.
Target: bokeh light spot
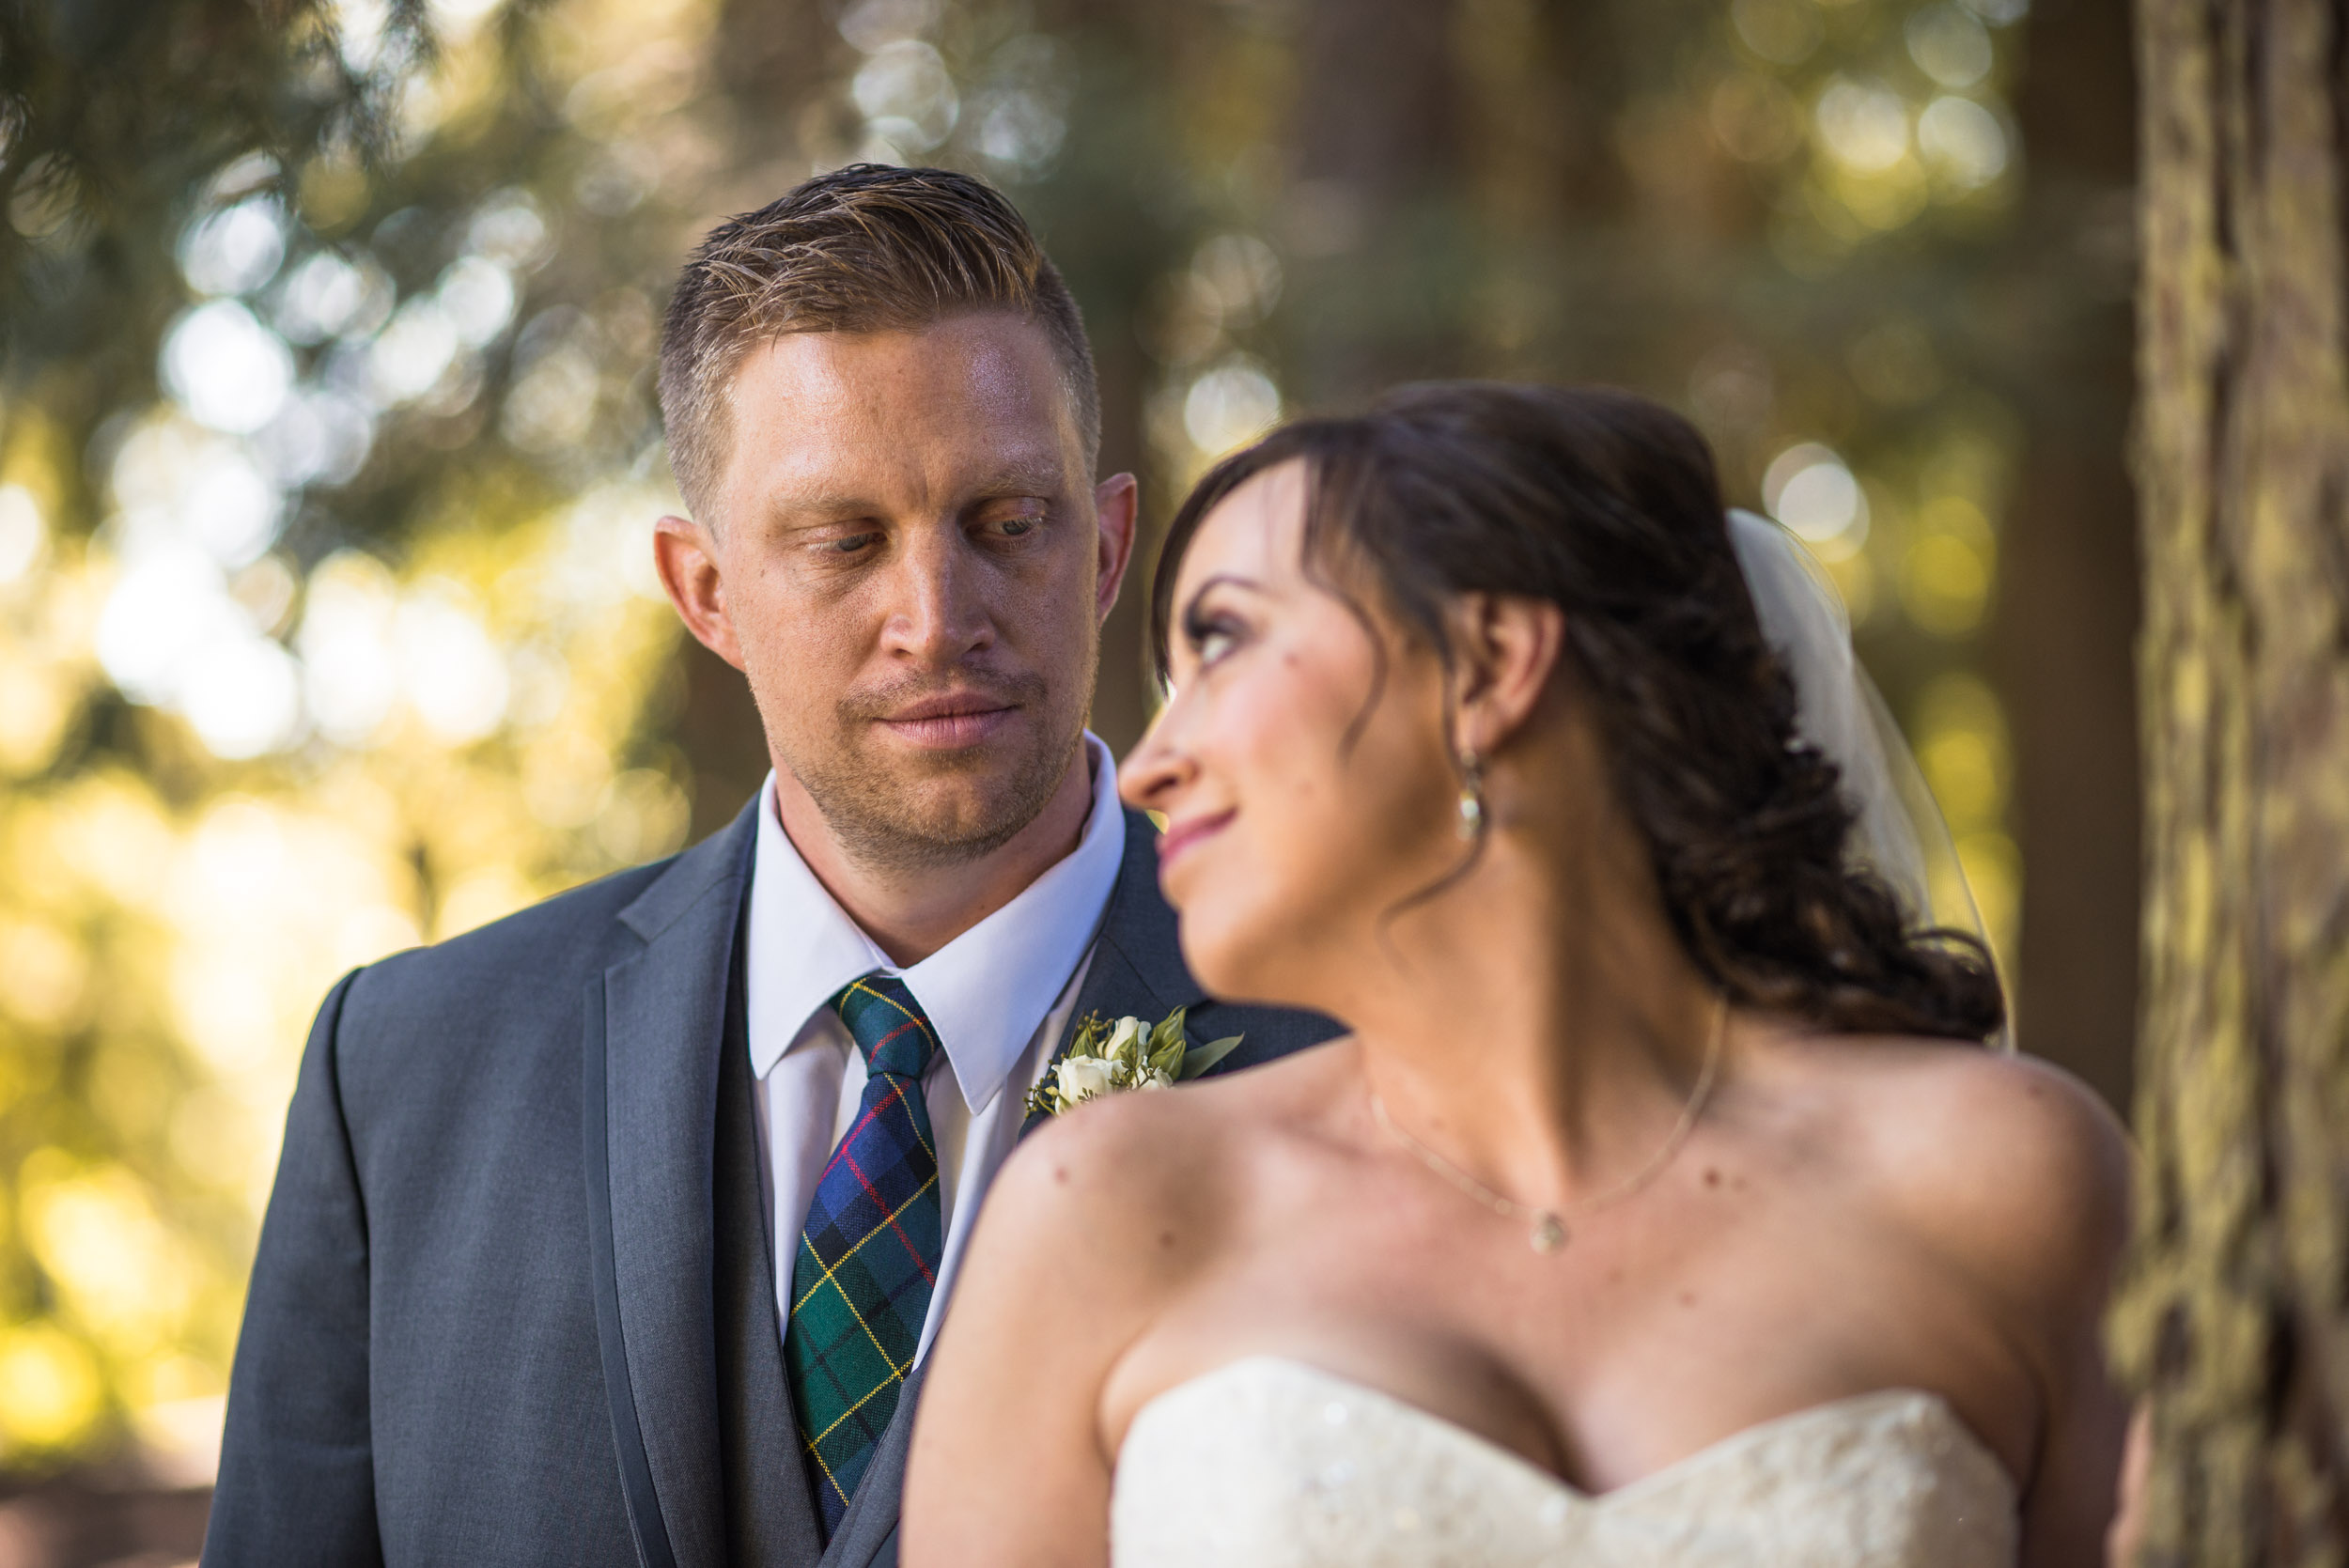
{"points": [[23, 534], [872, 25], [331, 296], [1950, 45], [414, 352], [349, 676], [906, 93], [243, 696], [36, 702], [227, 369], [1229, 405], [1812, 490], [43, 974], [96, 1234], [1947, 573], [1239, 272], [49, 1388], [477, 295], [1963, 141], [1863, 125], [509, 229], [236, 250], [449, 669]]}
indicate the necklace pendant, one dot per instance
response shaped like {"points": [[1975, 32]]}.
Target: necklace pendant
{"points": [[1549, 1234]]}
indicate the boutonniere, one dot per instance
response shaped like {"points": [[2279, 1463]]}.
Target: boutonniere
{"points": [[1107, 1058]]}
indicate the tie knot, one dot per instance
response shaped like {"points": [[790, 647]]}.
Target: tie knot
{"points": [[889, 1027]]}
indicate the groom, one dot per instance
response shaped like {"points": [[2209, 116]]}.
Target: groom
{"points": [[615, 1232]]}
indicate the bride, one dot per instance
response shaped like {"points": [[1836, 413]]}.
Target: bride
{"points": [[1663, 1205]]}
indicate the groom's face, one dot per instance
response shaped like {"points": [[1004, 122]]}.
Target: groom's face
{"points": [[906, 557]]}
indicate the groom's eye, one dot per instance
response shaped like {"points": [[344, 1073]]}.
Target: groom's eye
{"points": [[1018, 524]]}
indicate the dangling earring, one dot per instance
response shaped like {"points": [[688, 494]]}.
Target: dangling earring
{"points": [[1471, 796]]}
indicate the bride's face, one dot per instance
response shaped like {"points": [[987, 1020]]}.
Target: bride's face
{"points": [[1305, 793]]}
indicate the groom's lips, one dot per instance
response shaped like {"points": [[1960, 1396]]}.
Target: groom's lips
{"points": [[1180, 836], [949, 723]]}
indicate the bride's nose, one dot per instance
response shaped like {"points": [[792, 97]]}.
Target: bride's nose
{"points": [[1156, 771]]}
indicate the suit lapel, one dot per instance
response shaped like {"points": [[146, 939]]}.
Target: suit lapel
{"points": [[871, 1522], [771, 1518], [656, 1027], [1138, 969]]}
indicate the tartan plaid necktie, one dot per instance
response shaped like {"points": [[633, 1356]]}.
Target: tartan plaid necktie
{"points": [[868, 1254]]}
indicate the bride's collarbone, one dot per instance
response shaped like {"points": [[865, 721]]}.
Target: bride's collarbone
{"points": [[1624, 1354], [1753, 1280]]}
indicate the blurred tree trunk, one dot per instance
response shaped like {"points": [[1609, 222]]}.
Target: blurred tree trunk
{"points": [[1374, 200], [2067, 562], [2234, 1319]]}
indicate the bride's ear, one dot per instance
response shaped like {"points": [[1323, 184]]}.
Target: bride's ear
{"points": [[1505, 650]]}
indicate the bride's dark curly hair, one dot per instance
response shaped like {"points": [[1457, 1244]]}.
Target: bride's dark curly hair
{"points": [[1608, 505]]}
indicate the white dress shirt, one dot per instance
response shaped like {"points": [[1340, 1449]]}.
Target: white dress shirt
{"points": [[998, 996]]}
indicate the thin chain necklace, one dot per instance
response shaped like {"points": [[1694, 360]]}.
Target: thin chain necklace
{"points": [[1549, 1232]]}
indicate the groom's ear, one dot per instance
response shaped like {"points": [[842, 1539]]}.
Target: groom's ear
{"points": [[1506, 648], [687, 557], [1116, 502]]}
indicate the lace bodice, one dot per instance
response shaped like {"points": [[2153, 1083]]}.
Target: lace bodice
{"points": [[1267, 1463]]}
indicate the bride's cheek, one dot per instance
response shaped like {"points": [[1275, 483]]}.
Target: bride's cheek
{"points": [[1242, 894], [1313, 821]]}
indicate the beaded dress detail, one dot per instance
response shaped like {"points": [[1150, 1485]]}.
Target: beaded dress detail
{"points": [[1269, 1463]]}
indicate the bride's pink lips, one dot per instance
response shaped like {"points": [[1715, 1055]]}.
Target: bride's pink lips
{"points": [[1180, 836], [950, 722]]}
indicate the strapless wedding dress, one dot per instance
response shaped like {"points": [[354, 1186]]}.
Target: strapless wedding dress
{"points": [[1267, 1463]]}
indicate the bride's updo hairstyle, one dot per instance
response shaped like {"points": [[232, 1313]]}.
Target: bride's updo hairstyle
{"points": [[1608, 505]]}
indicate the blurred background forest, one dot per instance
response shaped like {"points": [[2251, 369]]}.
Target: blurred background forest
{"points": [[329, 453]]}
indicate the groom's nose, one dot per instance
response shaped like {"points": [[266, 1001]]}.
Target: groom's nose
{"points": [[937, 607]]}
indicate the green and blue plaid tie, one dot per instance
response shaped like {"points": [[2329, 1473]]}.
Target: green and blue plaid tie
{"points": [[869, 1252]]}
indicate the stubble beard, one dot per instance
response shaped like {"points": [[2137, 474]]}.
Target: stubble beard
{"points": [[884, 818]]}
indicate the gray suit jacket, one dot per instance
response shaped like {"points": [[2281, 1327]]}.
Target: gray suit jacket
{"points": [[514, 1297]]}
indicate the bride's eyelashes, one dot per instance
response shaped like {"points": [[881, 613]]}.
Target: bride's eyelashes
{"points": [[1211, 634]]}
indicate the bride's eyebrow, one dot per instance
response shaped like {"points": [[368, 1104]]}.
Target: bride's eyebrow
{"points": [[1224, 579]]}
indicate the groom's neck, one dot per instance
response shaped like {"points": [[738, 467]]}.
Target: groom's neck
{"points": [[912, 908]]}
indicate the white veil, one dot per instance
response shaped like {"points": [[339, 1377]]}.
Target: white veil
{"points": [[1898, 831]]}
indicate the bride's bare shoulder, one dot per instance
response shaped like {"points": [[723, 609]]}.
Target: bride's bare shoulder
{"points": [[2005, 1162], [1153, 1172]]}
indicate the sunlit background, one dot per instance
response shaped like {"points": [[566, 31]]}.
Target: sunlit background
{"points": [[329, 453]]}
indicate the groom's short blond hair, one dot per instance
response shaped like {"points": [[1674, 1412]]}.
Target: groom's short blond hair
{"points": [[867, 248]]}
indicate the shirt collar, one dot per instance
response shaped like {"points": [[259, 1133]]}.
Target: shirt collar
{"points": [[986, 991]]}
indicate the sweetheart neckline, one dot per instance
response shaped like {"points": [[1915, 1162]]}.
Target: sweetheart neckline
{"points": [[1736, 1442]]}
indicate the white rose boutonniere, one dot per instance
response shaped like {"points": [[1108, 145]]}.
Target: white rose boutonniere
{"points": [[1078, 1078], [1107, 1058]]}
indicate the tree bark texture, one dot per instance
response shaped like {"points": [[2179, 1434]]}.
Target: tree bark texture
{"points": [[2235, 1317]]}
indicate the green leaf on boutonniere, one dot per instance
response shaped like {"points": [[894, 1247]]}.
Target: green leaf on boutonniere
{"points": [[1169, 1030], [1164, 1052], [1204, 1057]]}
